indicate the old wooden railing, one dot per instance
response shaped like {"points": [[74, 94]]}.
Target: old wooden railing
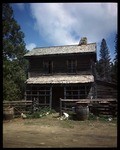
{"points": [[18, 106], [96, 106]]}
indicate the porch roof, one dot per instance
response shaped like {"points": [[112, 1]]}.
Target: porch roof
{"points": [[61, 79]]}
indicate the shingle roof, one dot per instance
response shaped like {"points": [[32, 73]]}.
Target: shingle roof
{"points": [[62, 50], [58, 79]]}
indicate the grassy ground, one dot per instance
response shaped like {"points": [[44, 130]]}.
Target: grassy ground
{"points": [[49, 131]]}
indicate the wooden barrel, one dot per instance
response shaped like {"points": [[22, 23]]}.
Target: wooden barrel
{"points": [[82, 112], [8, 113]]}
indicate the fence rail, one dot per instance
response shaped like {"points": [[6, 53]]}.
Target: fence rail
{"points": [[18, 106], [96, 106]]}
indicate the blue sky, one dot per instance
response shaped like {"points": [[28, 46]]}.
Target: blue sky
{"points": [[55, 24]]}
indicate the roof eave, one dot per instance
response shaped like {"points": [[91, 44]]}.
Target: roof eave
{"points": [[81, 53]]}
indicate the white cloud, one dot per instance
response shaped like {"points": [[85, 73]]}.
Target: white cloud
{"points": [[30, 46], [66, 23]]}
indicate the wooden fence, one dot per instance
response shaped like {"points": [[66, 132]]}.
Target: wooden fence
{"points": [[96, 106], [18, 106]]}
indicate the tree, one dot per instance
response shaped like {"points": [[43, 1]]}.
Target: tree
{"points": [[115, 63], [14, 64], [104, 64], [116, 49]]}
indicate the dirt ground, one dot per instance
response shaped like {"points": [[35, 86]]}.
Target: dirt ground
{"points": [[52, 132]]}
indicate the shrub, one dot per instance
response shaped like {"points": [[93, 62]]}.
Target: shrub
{"points": [[42, 111]]}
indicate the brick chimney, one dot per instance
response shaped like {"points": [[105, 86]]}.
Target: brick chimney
{"points": [[83, 41]]}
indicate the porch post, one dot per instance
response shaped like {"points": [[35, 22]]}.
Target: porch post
{"points": [[95, 89], [51, 97], [64, 91]]}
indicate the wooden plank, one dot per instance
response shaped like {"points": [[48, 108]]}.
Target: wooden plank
{"points": [[69, 104], [17, 104], [82, 102], [25, 101], [98, 106], [91, 100], [64, 92], [66, 109]]}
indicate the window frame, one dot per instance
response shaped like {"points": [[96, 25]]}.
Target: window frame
{"points": [[48, 66], [72, 66]]}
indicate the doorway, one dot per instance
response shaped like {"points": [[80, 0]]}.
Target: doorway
{"points": [[57, 93]]}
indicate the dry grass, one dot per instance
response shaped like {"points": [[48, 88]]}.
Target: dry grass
{"points": [[51, 132]]}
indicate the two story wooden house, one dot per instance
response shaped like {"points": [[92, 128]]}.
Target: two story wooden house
{"points": [[61, 72]]}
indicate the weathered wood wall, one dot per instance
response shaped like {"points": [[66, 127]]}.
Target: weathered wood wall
{"points": [[39, 92], [106, 90], [48, 95], [96, 106], [78, 91], [60, 64], [18, 107]]}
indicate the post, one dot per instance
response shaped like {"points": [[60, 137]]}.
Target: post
{"points": [[95, 87], [65, 92], [85, 91], [50, 97], [25, 94]]}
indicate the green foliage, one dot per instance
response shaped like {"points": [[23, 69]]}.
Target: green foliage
{"points": [[103, 118], [114, 72], [104, 65], [43, 111], [114, 68], [8, 92], [107, 70], [91, 117], [14, 64], [116, 48], [100, 117]]}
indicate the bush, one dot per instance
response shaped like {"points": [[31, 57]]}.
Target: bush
{"points": [[103, 118], [43, 111], [91, 117]]}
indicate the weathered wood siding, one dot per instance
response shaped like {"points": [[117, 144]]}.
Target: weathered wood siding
{"points": [[84, 64], [60, 64], [106, 90]]}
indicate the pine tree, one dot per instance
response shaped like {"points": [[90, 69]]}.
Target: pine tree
{"points": [[104, 64], [116, 49], [114, 67], [14, 64]]}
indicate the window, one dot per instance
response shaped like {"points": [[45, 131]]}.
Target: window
{"points": [[48, 66], [77, 92], [39, 94], [72, 66]]}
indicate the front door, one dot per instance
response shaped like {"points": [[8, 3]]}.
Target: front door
{"points": [[57, 93]]}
